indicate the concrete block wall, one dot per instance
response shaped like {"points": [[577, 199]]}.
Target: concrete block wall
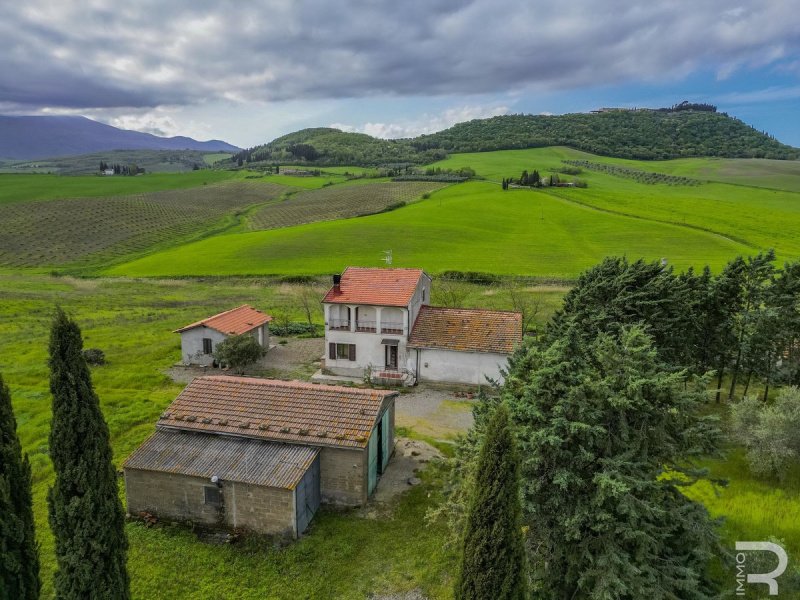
{"points": [[343, 476], [174, 497]]}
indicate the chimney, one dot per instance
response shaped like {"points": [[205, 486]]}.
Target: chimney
{"points": [[337, 283]]}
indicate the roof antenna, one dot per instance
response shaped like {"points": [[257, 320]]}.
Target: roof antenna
{"points": [[388, 257]]}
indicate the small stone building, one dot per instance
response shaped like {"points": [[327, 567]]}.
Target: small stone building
{"points": [[199, 339], [463, 345], [261, 454]]}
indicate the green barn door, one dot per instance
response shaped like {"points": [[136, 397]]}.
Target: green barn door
{"points": [[372, 454], [386, 441]]}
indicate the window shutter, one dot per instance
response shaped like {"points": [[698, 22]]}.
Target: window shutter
{"points": [[352, 351], [332, 351]]}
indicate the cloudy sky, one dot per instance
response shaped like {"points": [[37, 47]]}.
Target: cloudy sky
{"points": [[247, 72]]}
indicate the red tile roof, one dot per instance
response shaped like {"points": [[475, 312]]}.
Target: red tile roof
{"points": [[286, 411], [233, 322], [375, 286], [465, 329]]}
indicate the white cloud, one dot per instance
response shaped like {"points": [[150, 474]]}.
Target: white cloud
{"points": [[426, 123]]}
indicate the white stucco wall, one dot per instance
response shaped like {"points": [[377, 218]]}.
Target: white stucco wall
{"points": [[192, 343], [449, 366]]}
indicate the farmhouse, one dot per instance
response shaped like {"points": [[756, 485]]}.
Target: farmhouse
{"points": [[463, 345], [378, 323], [199, 339], [261, 454]]}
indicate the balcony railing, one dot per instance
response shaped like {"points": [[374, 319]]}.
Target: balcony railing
{"points": [[339, 324], [367, 326], [389, 327]]}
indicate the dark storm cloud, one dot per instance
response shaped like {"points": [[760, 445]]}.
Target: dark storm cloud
{"points": [[150, 53]]}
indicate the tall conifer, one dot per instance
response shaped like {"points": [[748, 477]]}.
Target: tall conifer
{"points": [[86, 515], [19, 556], [493, 560]]}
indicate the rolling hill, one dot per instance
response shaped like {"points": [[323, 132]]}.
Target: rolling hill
{"points": [[29, 137], [634, 134]]}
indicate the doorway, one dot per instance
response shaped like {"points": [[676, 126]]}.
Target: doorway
{"points": [[391, 357]]}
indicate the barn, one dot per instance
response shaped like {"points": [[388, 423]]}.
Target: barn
{"points": [[261, 454]]}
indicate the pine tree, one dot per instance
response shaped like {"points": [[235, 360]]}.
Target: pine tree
{"points": [[86, 515], [608, 436], [19, 553], [493, 560]]}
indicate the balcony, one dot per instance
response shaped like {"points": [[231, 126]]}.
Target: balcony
{"points": [[366, 326], [339, 324], [389, 327]]}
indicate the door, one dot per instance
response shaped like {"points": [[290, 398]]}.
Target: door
{"points": [[386, 441], [372, 456], [307, 497], [391, 357]]}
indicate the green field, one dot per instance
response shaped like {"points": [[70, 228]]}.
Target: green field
{"points": [[23, 188], [467, 227]]}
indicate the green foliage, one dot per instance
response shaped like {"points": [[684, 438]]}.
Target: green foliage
{"points": [[769, 432], [94, 356], [643, 135], [238, 351], [608, 439], [493, 555], [19, 552], [638, 175], [86, 515]]}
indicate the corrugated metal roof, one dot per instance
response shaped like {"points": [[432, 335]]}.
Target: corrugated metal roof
{"points": [[287, 411], [236, 321], [466, 329], [375, 286], [230, 458]]}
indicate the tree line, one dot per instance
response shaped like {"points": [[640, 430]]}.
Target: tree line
{"points": [[131, 169]]}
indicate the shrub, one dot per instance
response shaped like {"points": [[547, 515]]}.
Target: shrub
{"points": [[238, 351], [769, 432], [94, 356]]}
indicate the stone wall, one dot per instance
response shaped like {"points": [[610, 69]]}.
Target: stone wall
{"points": [[174, 497]]}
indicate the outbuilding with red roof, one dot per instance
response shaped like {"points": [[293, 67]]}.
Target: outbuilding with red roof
{"points": [[199, 339]]}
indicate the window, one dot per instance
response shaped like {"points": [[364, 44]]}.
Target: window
{"points": [[212, 495], [207, 346], [342, 351]]}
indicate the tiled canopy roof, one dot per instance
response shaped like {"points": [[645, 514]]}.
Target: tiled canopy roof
{"points": [[231, 459], [470, 330], [233, 322], [377, 287], [289, 411]]}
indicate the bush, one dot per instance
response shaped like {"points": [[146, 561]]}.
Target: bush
{"points": [[769, 432], [238, 351], [94, 356]]}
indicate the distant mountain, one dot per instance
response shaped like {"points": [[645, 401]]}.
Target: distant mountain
{"points": [[684, 130], [49, 137]]}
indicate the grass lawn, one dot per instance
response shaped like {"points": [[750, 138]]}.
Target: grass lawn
{"points": [[468, 227]]}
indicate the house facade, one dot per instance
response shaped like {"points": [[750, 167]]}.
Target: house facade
{"points": [[261, 454], [200, 339], [379, 324], [368, 318]]}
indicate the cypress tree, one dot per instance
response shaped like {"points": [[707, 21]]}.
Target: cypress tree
{"points": [[19, 553], [493, 560], [86, 515]]}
